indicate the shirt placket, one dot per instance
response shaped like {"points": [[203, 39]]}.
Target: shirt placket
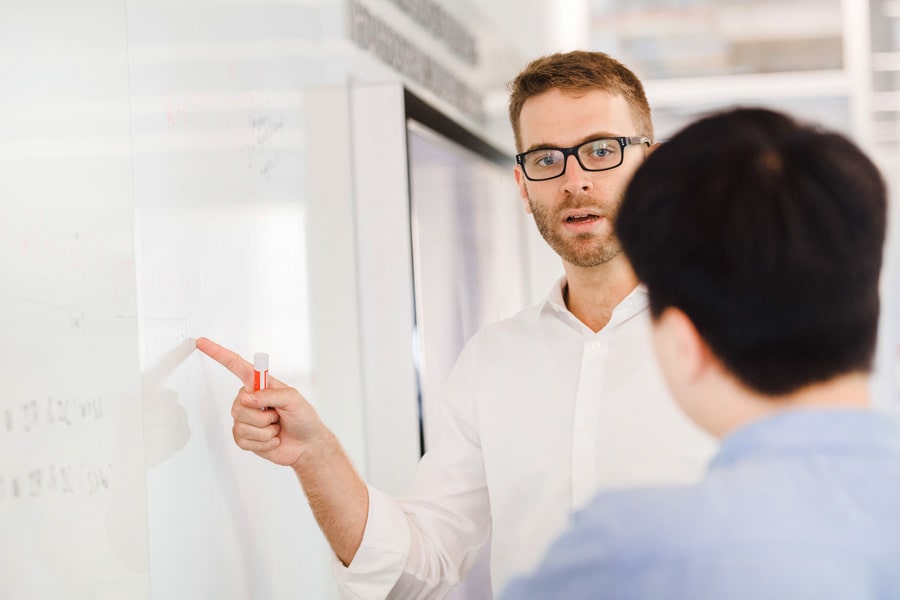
{"points": [[586, 418]]}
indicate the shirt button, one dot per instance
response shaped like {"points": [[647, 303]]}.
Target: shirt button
{"points": [[595, 346]]}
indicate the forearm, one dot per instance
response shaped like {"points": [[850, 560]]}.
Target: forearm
{"points": [[336, 493], [413, 549]]}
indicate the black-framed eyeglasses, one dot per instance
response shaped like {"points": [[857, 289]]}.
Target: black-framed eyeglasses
{"points": [[601, 154]]}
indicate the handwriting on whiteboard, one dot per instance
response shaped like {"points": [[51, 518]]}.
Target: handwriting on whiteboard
{"points": [[57, 411], [64, 479], [45, 419]]}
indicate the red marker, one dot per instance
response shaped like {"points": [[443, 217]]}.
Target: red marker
{"points": [[260, 372]]}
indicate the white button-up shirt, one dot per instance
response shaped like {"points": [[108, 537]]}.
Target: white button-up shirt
{"points": [[539, 414]]}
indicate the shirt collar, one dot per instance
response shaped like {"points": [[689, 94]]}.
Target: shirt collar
{"points": [[802, 430], [554, 299], [632, 304]]}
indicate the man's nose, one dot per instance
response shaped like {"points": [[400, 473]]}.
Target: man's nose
{"points": [[576, 179]]}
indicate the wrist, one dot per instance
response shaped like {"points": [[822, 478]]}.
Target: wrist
{"points": [[316, 448]]}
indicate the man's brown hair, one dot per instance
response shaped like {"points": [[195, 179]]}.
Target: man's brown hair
{"points": [[579, 72]]}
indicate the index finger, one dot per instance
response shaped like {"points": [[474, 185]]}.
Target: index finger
{"points": [[228, 359]]}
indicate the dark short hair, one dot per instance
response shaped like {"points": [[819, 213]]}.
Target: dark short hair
{"points": [[768, 234], [579, 72]]}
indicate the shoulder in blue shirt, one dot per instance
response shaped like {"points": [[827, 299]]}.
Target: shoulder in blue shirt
{"points": [[804, 504]]}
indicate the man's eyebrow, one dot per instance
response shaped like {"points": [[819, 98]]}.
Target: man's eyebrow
{"points": [[587, 138]]}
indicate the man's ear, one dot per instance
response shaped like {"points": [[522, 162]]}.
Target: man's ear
{"points": [[652, 149], [687, 352], [523, 193]]}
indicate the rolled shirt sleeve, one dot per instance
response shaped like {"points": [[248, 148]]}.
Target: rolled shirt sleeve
{"points": [[422, 544], [382, 554]]}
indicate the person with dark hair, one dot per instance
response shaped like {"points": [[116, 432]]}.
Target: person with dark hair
{"points": [[542, 410], [760, 242]]}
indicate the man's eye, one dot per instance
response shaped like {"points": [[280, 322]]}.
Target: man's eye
{"points": [[545, 160], [599, 149]]}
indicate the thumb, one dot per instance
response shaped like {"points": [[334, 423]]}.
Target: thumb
{"points": [[281, 397], [250, 383], [275, 383]]}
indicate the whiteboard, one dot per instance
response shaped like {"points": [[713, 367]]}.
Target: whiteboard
{"points": [[73, 519], [219, 122], [155, 185]]}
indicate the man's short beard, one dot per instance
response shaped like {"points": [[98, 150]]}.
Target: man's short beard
{"points": [[585, 250]]}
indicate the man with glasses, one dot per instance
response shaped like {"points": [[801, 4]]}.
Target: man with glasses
{"points": [[760, 242], [541, 410]]}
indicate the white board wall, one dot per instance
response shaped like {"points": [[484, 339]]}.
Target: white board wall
{"points": [[72, 508], [155, 186]]}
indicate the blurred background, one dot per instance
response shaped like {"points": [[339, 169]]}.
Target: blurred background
{"points": [[331, 182]]}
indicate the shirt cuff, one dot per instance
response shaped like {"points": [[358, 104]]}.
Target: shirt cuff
{"points": [[382, 554]]}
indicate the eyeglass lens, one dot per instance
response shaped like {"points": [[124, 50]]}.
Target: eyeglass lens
{"points": [[595, 155]]}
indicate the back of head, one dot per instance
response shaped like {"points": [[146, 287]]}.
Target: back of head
{"points": [[768, 235], [578, 72]]}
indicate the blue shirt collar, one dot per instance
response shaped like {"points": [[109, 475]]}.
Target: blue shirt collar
{"points": [[802, 430]]}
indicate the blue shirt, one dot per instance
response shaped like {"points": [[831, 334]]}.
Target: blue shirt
{"points": [[804, 504]]}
